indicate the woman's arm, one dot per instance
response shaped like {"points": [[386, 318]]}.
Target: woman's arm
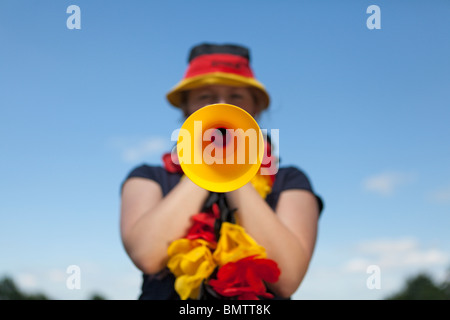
{"points": [[288, 236], [149, 222]]}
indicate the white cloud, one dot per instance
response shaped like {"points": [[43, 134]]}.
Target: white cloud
{"points": [[396, 254], [134, 150], [341, 272], [27, 280], [56, 275], [357, 265], [387, 183], [117, 283], [391, 246], [440, 196]]}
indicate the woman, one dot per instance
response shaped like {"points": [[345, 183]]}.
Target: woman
{"points": [[158, 206]]}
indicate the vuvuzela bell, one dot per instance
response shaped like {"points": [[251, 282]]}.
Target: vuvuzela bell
{"points": [[220, 147]]}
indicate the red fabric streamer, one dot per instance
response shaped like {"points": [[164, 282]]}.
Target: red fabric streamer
{"points": [[244, 279], [203, 226]]}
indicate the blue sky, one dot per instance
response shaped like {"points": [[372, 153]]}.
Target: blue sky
{"points": [[365, 113]]}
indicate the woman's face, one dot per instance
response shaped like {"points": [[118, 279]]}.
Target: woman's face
{"points": [[238, 96]]}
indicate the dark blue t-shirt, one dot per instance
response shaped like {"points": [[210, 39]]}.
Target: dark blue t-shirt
{"points": [[160, 286]]}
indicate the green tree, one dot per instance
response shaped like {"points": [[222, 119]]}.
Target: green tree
{"points": [[422, 287], [9, 291], [97, 296], [446, 285]]}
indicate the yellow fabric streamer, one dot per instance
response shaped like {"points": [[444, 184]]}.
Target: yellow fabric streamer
{"points": [[191, 262], [235, 244], [262, 184]]}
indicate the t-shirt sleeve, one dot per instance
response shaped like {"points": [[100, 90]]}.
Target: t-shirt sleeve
{"points": [[156, 173], [144, 171], [293, 178]]}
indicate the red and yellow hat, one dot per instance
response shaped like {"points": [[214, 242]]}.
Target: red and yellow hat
{"points": [[211, 64]]}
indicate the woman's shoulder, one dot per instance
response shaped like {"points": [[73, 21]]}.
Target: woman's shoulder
{"points": [[145, 171], [156, 173], [293, 177]]}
